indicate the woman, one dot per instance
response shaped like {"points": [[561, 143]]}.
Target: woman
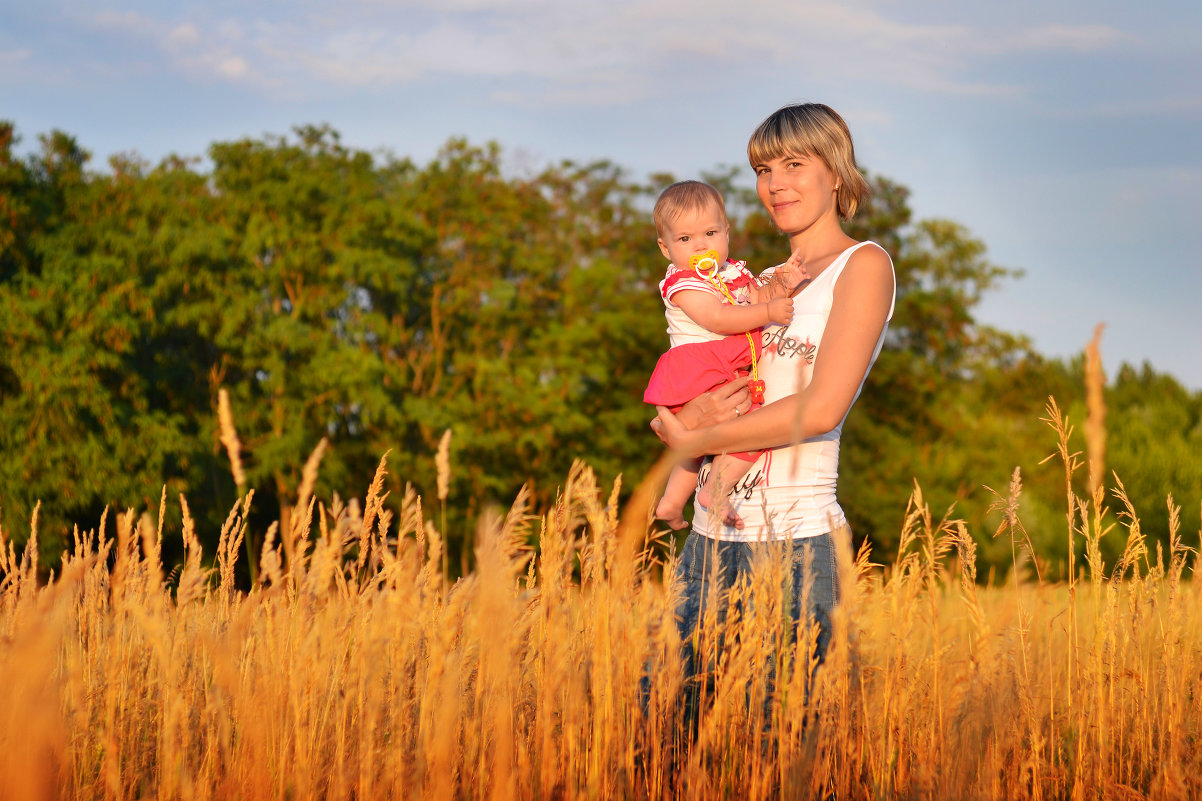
{"points": [[814, 368]]}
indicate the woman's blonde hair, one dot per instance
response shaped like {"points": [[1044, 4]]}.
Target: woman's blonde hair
{"points": [[813, 129]]}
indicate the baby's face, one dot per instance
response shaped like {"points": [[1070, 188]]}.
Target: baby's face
{"points": [[694, 232]]}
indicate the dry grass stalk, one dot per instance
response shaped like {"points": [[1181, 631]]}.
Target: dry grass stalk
{"points": [[442, 462], [229, 438], [1095, 419], [555, 674]]}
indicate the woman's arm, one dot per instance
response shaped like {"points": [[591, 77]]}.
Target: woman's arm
{"points": [[862, 298]]}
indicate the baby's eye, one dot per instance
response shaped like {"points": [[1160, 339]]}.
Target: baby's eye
{"points": [[712, 233], [684, 239]]}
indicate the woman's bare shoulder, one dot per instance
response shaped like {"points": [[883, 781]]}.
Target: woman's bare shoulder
{"points": [[868, 269], [872, 254]]}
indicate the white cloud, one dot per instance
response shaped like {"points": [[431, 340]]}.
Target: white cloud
{"points": [[618, 89], [231, 30], [1142, 107], [578, 48], [595, 52], [1077, 38], [462, 6], [208, 50], [829, 39], [126, 21], [13, 58], [233, 67], [182, 36]]}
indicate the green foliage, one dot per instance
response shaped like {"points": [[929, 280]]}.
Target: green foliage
{"points": [[87, 414], [928, 411], [373, 304], [377, 303], [1154, 438]]}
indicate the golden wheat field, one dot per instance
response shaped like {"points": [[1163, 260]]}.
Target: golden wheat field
{"points": [[353, 669]]}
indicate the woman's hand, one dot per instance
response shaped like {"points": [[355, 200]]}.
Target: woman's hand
{"points": [[717, 406], [709, 408], [673, 433]]}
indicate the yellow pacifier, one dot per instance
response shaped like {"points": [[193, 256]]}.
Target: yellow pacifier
{"points": [[704, 263]]}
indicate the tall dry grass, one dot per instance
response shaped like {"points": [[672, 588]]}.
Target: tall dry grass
{"points": [[355, 670]]}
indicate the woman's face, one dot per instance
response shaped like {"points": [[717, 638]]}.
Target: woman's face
{"points": [[797, 191]]}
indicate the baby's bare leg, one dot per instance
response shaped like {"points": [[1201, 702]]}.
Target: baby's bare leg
{"points": [[725, 472], [682, 481]]}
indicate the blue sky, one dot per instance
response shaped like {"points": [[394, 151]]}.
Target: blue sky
{"points": [[1066, 135]]}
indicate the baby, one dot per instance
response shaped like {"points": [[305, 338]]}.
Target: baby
{"points": [[715, 309]]}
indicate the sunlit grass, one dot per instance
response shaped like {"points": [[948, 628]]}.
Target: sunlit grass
{"points": [[353, 669]]}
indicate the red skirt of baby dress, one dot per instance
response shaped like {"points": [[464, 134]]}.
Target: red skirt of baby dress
{"points": [[688, 370]]}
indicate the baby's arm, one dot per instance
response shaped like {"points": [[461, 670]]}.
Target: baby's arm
{"points": [[711, 312]]}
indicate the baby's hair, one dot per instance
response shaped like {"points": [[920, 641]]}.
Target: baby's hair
{"points": [[812, 129], [684, 196]]}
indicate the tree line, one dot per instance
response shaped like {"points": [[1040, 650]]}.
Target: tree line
{"points": [[376, 303]]}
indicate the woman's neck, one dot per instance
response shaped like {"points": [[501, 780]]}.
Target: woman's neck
{"points": [[818, 249]]}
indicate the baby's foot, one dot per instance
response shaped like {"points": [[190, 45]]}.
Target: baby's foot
{"points": [[671, 513], [723, 510]]}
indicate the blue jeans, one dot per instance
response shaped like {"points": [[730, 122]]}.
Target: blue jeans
{"points": [[704, 559]]}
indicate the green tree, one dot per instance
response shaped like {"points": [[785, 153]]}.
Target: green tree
{"points": [[1154, 438], [82, 423], [312, 262], [543, 324]]}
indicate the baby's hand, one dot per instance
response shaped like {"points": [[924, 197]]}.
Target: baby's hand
{"points": [[793, 271], [780, 310]]}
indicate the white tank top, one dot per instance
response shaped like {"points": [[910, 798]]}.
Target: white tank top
{"points": [[790, 491]]}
